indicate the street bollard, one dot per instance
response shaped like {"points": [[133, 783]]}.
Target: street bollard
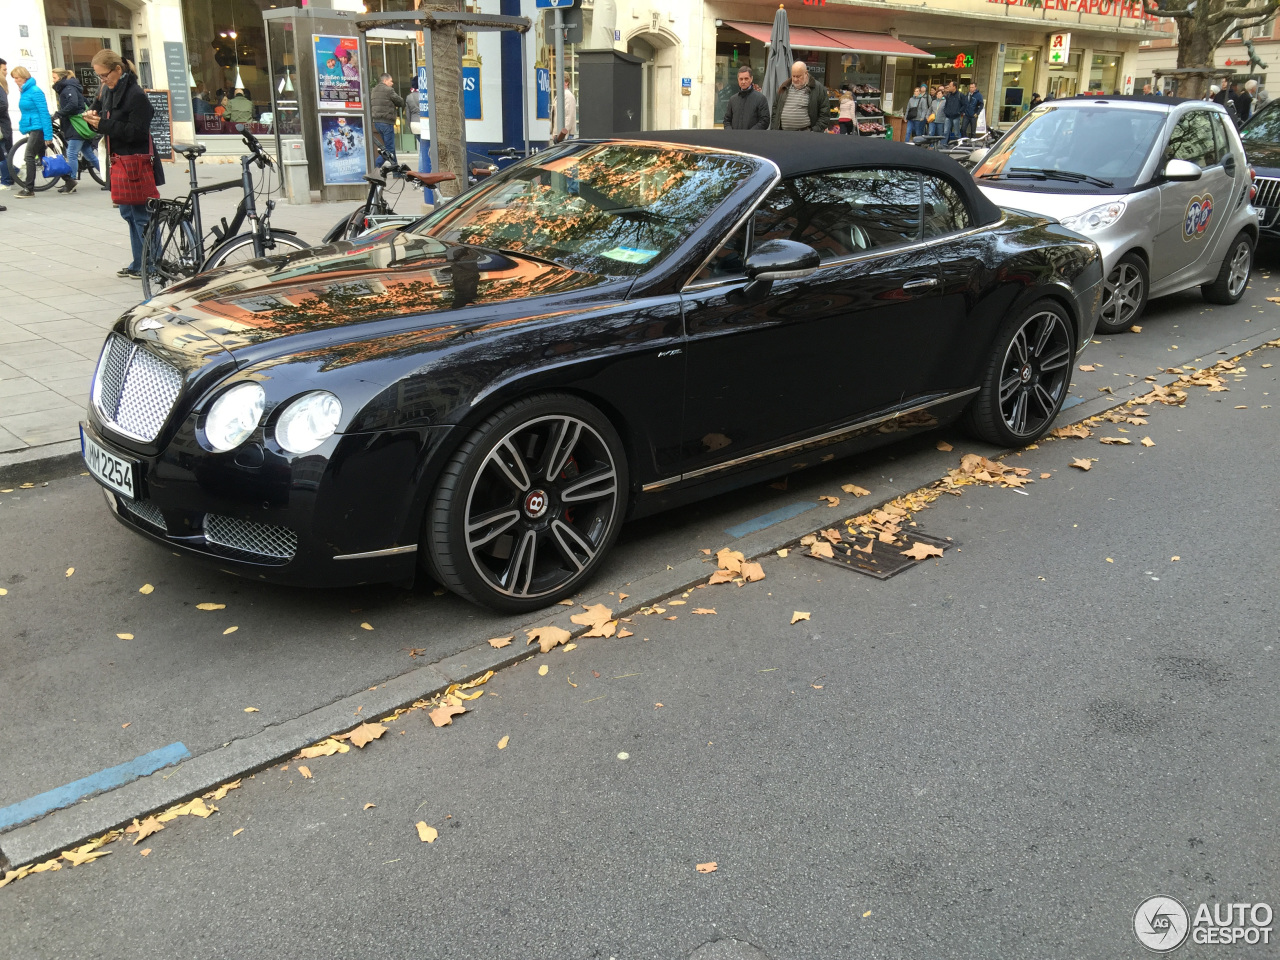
{"points": [[297, 181]]}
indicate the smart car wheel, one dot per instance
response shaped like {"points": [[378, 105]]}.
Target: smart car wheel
{"points": [[529, 504], [1026, 378], [1233, 277], [1124, 295]]}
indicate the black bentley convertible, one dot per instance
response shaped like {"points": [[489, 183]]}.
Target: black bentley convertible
{"points": [[603, 330]]}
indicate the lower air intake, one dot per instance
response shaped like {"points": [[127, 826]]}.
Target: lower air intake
{"points": [[261, 541]]}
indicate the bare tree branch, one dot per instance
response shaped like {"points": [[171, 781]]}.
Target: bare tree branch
{"points": [[1162, 8]]}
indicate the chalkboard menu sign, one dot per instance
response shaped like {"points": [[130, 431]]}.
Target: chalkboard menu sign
{"points": [[161, 123]]}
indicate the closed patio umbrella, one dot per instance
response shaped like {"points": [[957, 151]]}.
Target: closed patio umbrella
{"points": [[777, 70]]}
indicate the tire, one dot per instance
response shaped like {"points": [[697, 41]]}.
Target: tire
{"points": [[170, 252], [1026, 378], [239, 249], [1233, 276], [529, 504], [1125, 294], [354, 225], [17, 160], [97, 173]]}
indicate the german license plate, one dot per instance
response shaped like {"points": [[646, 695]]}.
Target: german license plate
{"points": [[117, 473]]}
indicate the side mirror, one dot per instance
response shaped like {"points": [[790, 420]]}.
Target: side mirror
{"points": [[978, 155], [1181, 171], [781, 260]]}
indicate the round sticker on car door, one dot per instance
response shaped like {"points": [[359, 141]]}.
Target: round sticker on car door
{"points": [[1199, 210]]}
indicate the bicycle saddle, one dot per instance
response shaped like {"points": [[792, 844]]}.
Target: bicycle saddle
{"points": [[189, 149], [430, 179], [380, 181]]}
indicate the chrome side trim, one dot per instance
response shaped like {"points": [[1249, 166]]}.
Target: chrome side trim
{"points": [[798, 444], [389, 551]]}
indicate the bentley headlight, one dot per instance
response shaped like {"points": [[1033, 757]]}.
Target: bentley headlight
{"points": [[234, 416], [1096, 219], [309, 421]]}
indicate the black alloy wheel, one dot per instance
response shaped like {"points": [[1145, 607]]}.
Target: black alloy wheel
{"points": [[529, 504], [1027, 377]]}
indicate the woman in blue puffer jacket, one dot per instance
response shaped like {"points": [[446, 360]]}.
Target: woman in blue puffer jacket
{"points": [[35, 123]]}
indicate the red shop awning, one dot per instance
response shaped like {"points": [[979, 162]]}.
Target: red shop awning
{"points": [[833, 41]]}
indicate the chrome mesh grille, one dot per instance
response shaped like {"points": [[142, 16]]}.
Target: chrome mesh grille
{"points": [[146, 511], [133, 390], [248, 536], [1268, 194]]}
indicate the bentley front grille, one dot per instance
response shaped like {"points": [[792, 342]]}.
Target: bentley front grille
{"points": [[1268, 194], [249, 539], [145, 511], [133, 390]]}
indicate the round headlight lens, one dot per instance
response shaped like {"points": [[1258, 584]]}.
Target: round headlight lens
{"points": [[234, 416], [1096, 219], [309, 421]]}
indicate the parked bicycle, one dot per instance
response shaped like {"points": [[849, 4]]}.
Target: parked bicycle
{"points": [[377, 212], [57, 147], [173, 247], [962, 149]]}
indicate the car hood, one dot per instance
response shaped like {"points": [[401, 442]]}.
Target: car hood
{"points": [[388, 283], [1056, 205], [1262, 154]]}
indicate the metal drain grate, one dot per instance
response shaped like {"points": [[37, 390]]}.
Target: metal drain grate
{"points": [[885, 560]]}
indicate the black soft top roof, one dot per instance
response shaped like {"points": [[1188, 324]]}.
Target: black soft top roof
{"points": [[803, 153]]}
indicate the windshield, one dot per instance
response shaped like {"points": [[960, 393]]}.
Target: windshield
{"points": [[1095, 149], [1262, 127], [608, 208]]}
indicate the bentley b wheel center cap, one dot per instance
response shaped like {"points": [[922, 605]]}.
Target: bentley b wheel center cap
{"points": [[535, 504], [1025, 372]]}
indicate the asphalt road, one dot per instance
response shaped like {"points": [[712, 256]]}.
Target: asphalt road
{"points": [[1000, 753]]}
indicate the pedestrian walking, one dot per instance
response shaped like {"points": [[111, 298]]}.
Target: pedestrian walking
{"points": [[384, 105], [1245, 100], [6, 128], [973, 106], [35, 122], [918, 112], [125, 122], [800, 104], [1035, 101], [954, 110], [747, 109], [937, 119], [570, 126], [70, 117]]}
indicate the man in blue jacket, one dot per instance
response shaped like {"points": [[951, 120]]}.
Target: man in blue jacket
{"points": [[954, 112], [973, 107], [6, 126]]}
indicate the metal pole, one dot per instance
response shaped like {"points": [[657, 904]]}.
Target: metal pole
{"points": [[561, 119], [366, 98], [524, 92], [431, 103], [466, 159], [275, 108]]}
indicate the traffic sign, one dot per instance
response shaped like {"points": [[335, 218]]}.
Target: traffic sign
{"points": [[552, 4]]}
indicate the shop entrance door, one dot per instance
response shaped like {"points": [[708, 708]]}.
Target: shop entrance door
{"points": [[395, 55], [73, 48], [1062, 86]]}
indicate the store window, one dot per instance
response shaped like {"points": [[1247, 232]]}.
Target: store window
{"points": [[78, 30], [1104, 75], [1064, 79], [1017, 82]]}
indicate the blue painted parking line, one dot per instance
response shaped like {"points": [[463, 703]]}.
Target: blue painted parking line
{"points": [[1071, 402], [770, 518], [65, 796]]}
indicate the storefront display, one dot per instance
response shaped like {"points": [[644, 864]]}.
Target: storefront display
{"points": [[227, 51], [1017, 82], [1104, 75], [1064, 79]]}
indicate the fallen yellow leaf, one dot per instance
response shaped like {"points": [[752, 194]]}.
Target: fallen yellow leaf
{"points": [[704, 610], [868, 913], [305, 771], [70, 571], [442, 716], [144, 829], [365, 733], [223, 790], [502, 744], [427, 834], [229, 630], [564, 603], [1122, 440], [369, 806], [1174, 559], [752, 572], [542, 670], [798, 615], [1148, 442], [325, 748], [1109, 560], [143, 853], [831, 501], [821, 548], [236, 833], [1086, 367], [855, 490], [783, 553], [211, 606], [711, 867], [146, 588], [499, 642], [622, 634], [922, 551], [573, 646], [548, 637], [1045, 476], [125, 636], [944, 446], [366, 626], [1135, 329], [251, 710], [1082, 464]]}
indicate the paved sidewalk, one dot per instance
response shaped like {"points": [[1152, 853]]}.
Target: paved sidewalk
{"points": [[59, 295]]}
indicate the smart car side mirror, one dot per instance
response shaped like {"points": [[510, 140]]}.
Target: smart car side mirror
{"points": [[781, 260], [1180, 171]]}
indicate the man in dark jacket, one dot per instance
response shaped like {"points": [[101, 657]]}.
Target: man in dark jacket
{"points": [[972, 107], [747, 109], [800, 104], [384, 106], [6, 126], [954, 112]]}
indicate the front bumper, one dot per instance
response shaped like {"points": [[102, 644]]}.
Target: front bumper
{"points": [[345, 514]]}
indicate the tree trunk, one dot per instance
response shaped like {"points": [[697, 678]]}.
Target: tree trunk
{"points": [[1196, 49], [446, 106]]}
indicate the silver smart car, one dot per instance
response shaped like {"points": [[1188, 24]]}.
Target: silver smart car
{"points": [[1160, 184]]}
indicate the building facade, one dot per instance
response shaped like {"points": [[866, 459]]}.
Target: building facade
{"points": [[1160, 52]]}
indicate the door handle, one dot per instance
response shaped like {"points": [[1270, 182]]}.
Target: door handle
{"points": [[920, 283]]}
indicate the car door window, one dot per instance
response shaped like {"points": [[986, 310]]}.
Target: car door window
{"points": [[843, 213], [1221, 137], [728, 261], [945, 210], [1192, 139]]}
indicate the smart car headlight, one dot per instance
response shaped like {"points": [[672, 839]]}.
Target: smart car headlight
{"points": [[309, 421], [234, 416], [1095, 219]]}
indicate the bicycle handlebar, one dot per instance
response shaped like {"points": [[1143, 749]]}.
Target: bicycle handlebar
{"points": [[509, 152]]}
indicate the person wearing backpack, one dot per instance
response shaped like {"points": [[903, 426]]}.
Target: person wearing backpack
{"points": [[79, 135], [917, 113]]}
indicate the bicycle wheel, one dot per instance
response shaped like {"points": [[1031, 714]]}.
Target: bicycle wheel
{"points": [[17, 161], [170, 251], [99, 173], [239, 249]]}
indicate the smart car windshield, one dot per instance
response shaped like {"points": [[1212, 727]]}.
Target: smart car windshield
{"points": [[1263, 127], [1087, 149], [609, 208]]}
